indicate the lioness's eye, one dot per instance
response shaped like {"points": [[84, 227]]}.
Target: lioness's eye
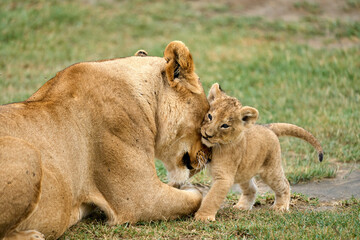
{"points": [[209, 116], [224, 126]]}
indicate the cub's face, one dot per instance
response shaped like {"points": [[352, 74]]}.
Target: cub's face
{"points": [[226, 119]]}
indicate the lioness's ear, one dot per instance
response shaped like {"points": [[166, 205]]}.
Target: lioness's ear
{"points": [[249, 115], [215, 92], [180, 69], [141, 53]]}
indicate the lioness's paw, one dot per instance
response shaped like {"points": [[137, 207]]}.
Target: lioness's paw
{"points": [[25, 235], [203, 218], [191, 188], [37, 236], [174, 185], [203, 189]]}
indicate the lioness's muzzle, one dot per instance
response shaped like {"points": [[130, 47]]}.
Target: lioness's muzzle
{"points": [[186, 160]]}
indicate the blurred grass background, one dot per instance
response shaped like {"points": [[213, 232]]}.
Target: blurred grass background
{"points": [[302, 67], [304, 72]]}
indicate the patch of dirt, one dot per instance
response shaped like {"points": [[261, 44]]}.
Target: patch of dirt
{"points": [[330, 42], [291, 10], [288, 10], [345, 186]]}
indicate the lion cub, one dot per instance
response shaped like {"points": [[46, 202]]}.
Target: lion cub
{"points": [[241, 150]]}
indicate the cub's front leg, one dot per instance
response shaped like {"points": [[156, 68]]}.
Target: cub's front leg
{"points": [[212, 201]]}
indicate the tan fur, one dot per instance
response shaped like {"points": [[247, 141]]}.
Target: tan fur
{"points": [[88, 137], [180, 58], [240, 150]]}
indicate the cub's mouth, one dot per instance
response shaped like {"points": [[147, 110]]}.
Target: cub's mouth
{"points": [[206, 141]]}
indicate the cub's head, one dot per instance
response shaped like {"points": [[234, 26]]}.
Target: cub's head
{"points": [[226, 119]]}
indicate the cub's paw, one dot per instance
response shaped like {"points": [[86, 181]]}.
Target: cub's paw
{"points": [[280, 208], [25, 235], [204, 218], [243, 207]]}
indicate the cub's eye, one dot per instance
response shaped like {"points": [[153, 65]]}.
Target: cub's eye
{"points": [[209, 116], [224, 126]]}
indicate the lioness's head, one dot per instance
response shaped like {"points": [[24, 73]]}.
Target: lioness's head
{"points": [[226, 119], [183, 106]]}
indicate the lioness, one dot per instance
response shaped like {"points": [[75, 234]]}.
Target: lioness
{"points": [[88, 137], [241, 150]]}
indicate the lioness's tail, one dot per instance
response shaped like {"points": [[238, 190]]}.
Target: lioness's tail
{"points": [[286, 129]]}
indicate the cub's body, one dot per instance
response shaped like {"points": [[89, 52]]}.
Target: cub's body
{"points": [[256, 151], [241, 150]]}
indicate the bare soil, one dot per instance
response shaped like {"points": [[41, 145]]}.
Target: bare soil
{"points": [[288, 10], [292, 10], [329, 191], [344, 186]]}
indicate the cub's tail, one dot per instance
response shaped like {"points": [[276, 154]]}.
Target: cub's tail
{"points": [[286, 129]]}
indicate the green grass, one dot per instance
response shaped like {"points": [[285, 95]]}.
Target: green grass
{"points": [[267, 64], [260, 223]]}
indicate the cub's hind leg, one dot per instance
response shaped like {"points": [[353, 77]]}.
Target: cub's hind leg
{"points": [[248, 195], [20, 186], [277, 181]]}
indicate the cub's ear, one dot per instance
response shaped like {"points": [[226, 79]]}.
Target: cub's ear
{"points": [[249, 115], [215, 92], [141, 53], [180, 68]]}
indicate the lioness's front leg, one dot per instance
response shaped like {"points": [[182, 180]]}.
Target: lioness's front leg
{"points": [[20, 186], [139, 195]]}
